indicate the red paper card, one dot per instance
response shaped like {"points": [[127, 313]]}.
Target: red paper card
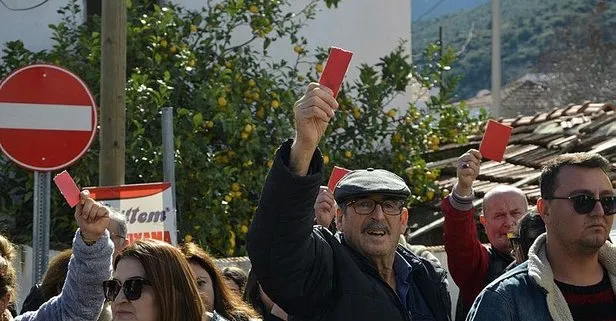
{"points": [[68, 188], [337, 174], [495, 141], [335, 69]]}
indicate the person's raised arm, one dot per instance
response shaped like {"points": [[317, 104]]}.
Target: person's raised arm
{"points": [[325, 207], [467, 258], [312, 115], [293, 263], [82, 297]]}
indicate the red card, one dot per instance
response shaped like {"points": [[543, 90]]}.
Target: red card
{"points": [[337, 174], [68, 188], [335, 69], [495, 141]]}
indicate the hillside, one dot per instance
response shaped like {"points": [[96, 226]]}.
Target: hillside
{"points": [[427, 9], [529, 29]]}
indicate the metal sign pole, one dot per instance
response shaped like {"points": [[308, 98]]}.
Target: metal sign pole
{"points": [[169, 158], [40, 227]]}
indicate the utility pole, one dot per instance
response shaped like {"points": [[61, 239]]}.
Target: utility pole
{"points": [[112, 158], [442, 46], [495, 108], [411, 30]]}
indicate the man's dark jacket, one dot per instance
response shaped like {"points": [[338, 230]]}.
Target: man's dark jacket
{"points": [[312, 275]]}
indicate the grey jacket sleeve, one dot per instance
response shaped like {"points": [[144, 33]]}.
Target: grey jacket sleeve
{"points": [[82, 297]]}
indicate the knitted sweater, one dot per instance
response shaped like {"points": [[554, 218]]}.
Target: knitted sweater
{"points": [[82, 295]]}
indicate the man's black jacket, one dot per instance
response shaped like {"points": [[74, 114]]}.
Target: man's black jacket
{"points": [[309, 273]]}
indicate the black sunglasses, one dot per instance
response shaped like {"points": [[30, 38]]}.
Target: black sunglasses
{"points": [[584, 204], [132, 288]]}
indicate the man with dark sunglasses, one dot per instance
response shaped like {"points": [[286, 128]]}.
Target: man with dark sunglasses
{"points": [[361, 275], [570, 273]]}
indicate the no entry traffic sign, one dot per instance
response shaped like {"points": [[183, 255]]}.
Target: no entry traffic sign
{"points": [[47, 117]]}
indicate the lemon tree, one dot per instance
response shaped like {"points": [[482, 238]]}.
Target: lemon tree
{"points": [[233, 106]]}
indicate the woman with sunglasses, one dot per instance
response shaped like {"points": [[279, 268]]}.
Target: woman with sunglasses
{"points": [[153, 282], [214, 292], [81, 298]]}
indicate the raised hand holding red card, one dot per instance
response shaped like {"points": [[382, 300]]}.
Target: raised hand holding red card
{"points": [[68, 188], [495, 141], [335, 69], [337, 174]]}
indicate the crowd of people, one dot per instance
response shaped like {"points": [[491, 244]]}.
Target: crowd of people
{"points": [[327, 255]]}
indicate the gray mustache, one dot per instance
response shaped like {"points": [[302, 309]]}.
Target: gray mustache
{"points": [[376, 226]]}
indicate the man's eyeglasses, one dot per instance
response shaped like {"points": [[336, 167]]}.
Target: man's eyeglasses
{"points": [[367, 206], [132, 288], [584, 204]]}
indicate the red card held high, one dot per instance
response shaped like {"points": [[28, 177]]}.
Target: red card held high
{"points": [[68, 188], [335, 69], [495, 141], [337, 174]]}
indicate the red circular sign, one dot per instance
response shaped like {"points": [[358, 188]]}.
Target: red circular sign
{"points": [[47, 117]]}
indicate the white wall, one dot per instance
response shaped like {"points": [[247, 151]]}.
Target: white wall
{"points": [[30, 26]]}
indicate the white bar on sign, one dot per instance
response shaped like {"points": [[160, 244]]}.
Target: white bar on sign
{"points": [[45, 117]]}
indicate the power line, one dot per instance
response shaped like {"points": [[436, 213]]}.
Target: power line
{"points": [[23, 9], [429, 10]]}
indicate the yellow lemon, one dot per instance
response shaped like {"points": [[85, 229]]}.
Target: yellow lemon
{"points": [[163, 43], [260, 113], [248, 128], [348, 154], [244, 135], [244, 229], [325, 159], [298, 49], [430, 195], [193, 28], [275, 104], [252, 83], [188, 238], [254, 9], [319, 68], [235, 187], [228, 198], [222, 101]]}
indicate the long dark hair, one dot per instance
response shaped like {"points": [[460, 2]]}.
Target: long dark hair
{"points": [[226, 302], [174, 284]]}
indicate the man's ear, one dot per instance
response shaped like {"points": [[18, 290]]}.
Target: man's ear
{"points": [[483, 220], [339, 221], [542, 209], [404, 219]]}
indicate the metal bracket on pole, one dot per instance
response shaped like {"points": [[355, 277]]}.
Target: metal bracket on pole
{"points": [[41, 222], [169, 157]]}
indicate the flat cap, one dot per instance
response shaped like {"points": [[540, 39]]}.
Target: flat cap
{"points": [[370, 181]]}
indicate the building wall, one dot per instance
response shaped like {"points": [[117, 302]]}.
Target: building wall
{"points": [[31, 26]]}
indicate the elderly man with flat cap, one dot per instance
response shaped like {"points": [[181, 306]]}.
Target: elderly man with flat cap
{"points": [[359, 274]]}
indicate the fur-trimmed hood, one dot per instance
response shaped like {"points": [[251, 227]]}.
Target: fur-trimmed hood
{"points": [[540, 271]]}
